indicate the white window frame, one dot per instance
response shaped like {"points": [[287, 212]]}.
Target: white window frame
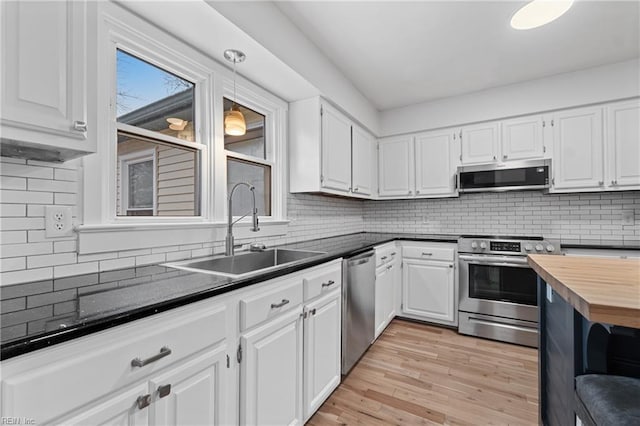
{"points": [[102, 230], [135, 158]]}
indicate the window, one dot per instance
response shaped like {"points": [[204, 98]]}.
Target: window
{"points": [[158, 171], [248, 161]]}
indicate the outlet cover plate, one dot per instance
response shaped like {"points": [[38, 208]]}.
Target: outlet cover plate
{"points": [[58, 221]]}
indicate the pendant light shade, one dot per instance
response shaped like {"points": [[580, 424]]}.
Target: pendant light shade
{"points": [[234, 123]]}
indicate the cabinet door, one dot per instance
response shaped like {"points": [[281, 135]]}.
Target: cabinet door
{"points": [[578, 149], [322, 349], [434, 163], [336, 150], [271, 372], [363, 146], [522, 138], [395, 167], [385, 297], [428, 290], [43, 64], [197, 393], [624, 145], [480, 143], [119, 409]]}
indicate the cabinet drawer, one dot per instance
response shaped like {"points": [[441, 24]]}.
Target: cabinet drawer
{"points": [[429, 253], [386, 254], [50, 383], [322, 281], [263, 306]]}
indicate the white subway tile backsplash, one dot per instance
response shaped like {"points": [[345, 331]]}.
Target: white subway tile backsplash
{"points": [[65, 199], [51, 186], [13, 210], [28, 197], [150, 258], [51, 260], [75, 269], [13, 264], [64, 246], [26, 171], [13, 237], [9, 182], [15, 277], [64, 174], [18, 223], [28, 249], [125, 262]]}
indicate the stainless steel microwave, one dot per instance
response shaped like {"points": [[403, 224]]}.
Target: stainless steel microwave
{"points": [[512, 176]]}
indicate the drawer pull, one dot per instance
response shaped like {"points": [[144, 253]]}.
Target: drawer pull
{"points": [[279, 305], [393, 254], [137, 362], [328, 283], [164, 390], [390, 266], [427, 254], [383, 257], [143, 401], [313, 311]]}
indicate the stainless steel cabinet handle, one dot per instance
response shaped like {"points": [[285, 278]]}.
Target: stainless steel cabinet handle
{"points": [[601, 183], [143, 401], [137, 362], [393, 253], [427, 254], [494, 158], [279, 305], [80, 126], [505, 157], [313, 311], [164, 390], [390, 266], [410, 192], [417, 191], [328, 283], [383, 257], [355, 189]]}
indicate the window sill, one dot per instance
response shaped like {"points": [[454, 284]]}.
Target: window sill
{"points": [[117, 237]]}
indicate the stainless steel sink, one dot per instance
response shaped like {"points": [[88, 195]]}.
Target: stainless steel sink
{"points": [[245, 264]]}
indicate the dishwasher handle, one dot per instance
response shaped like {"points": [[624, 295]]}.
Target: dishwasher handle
{"points": [[361, 259]]}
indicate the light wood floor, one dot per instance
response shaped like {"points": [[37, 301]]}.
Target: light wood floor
{"points": [[418, 374]]}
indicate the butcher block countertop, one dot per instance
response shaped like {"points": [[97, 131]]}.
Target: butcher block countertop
{"points": [[601, 289]]}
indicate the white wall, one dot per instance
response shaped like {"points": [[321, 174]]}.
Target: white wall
{"points": [[599, 84], [267, 24]]}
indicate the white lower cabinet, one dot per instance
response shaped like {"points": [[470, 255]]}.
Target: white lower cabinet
{"points": [[385, 289], [322, 349], [271, 372], [428, 290]]}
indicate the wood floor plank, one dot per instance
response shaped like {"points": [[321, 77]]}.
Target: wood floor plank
{"points": [[417, 374]]}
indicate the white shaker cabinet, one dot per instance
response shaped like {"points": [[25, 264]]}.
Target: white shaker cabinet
{"points": [[328, 152], [436, 161], [623, 143], [395, 167], [271, 372], [44, 80], [522, 138], [479, 143], [336, 150], [385, 296], [322, 349], [429, 285], [363, 161], [578, 150]]}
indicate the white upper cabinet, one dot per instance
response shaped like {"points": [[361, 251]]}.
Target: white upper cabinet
{"points": [[336, 150], [328, 152], [522, 138], [435, 164], [44, 80], [395, 167], [362, 159], [480, 143], [578, 150], [623, 171]]}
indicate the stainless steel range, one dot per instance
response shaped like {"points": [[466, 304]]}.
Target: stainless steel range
{"points": [[498, 289]]}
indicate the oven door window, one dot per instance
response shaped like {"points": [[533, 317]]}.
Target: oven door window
{"points": [[503, 283]]}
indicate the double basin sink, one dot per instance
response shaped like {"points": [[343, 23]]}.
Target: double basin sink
{"points": [[246, 264]]}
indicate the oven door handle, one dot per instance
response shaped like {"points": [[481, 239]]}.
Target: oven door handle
{"points": [[495, 260]]}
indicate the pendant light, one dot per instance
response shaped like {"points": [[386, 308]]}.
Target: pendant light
{"points": [[234, 123]]}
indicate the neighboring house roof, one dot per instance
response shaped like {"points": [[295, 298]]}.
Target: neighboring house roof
{"points": [[154, 116]]}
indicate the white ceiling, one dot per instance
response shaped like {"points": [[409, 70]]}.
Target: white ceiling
{"points": [[401, 53]]}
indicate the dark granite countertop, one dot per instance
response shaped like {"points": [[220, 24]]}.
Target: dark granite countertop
{"points": [[600, 244], [40, 314]]}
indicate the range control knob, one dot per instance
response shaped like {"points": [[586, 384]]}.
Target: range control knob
{"points": [[474, 245], [550, 248], [483, 245], [539, 247], [528, 247]]}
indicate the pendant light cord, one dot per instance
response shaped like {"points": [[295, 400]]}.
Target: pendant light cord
{"points": [[234, 83]]}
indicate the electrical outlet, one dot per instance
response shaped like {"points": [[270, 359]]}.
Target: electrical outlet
{"points": [[628, 217], [58, 221]]}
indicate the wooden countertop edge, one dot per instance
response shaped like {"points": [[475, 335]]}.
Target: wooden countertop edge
{"points": [[627, 317]]}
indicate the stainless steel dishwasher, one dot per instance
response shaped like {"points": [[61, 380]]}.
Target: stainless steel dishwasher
{"points": [[358, 307]]}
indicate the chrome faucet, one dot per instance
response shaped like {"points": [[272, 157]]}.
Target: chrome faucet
{"points": [[229, 248]]}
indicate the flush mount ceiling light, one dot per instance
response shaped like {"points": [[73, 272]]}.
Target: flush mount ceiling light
{"points": [[234, 123], [539, 12], [177, 123]]}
